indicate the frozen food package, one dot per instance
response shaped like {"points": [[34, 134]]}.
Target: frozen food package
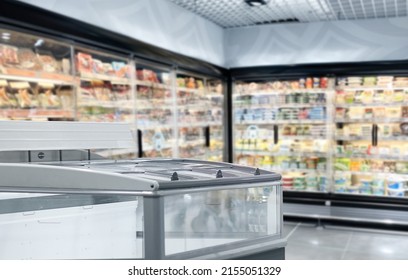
{"points": [[8, 54], [120, 69], [84, 62], [97, 66], [48, 98], [49, 64], [108, 69]]}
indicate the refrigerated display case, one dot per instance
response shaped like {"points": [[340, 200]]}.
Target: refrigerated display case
{"points": [[36, 81], [371, 153], [285, 126], [200, 106]]}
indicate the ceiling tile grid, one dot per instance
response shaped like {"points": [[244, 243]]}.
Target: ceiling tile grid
{"points": [[237, 13]]}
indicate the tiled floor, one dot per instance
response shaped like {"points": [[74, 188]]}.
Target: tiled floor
{"points": [[308, 242]]}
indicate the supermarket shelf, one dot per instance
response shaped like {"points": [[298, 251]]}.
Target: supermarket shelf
{"points": [[284, 91], [302, 137], [365, 156], [191, 90], [153, 126], [96, 103], [281, 154], [152, 84], [36, 113], [370, 88], [154, 107], [200, 107], [392, 104], [283, 170], [285, 105], [33, 76], [372, 120], [214, 94], [372, 173], [266, 122], [112, 79], [187, 143], [368, 138], [199, 124]]}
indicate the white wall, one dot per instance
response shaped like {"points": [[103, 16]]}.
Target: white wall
{"points": [[161, 23], [158, 22], [341, 41]]}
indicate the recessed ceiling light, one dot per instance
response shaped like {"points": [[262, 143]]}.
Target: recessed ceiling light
{"points": [[254, 3]]}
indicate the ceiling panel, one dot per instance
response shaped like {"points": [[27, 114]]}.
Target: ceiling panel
{"points": [[237, 13]]}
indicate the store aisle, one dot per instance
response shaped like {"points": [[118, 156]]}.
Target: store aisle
{"points": [[307, 242]]}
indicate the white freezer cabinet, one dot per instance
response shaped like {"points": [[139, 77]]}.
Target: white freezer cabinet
{"points": [[139, 209]]}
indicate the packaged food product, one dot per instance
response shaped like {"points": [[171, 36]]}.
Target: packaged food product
{"points": [[355, 165], [48, 98], [122, 71], [49, 64], [7, 99], [28, 60], [388, 96], [84, 62], [97, 66], [367, 96], [25, 97], [309, 83], [9, 55], [342, 164]]}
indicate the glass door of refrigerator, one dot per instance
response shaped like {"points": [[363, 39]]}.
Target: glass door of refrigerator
{"points": [[196, 117], [282, 126], [155, 108], [36, 81], [104, 91], [371, 156], [214, 132]]}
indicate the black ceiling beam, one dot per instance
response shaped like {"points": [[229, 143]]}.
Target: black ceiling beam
{"points": [[29, 17]]}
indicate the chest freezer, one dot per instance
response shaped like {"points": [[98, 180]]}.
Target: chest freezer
{"points": [[57, 202]]}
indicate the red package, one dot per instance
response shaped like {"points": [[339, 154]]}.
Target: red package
{"points": [[84, 62]]}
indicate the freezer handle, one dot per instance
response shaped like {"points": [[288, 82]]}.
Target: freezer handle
{"points": [[139, 143], [207, 136], [374, 135], [275, 134]]}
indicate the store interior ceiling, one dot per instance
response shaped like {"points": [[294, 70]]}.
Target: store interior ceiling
{"points": [[240, 13]]}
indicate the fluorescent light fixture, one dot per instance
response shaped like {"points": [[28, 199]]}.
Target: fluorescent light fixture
{"points": [[255, 3]]}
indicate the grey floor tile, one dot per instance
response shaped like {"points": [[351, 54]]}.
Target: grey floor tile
{"points": [[383, 246], [288, 228], [308, 252], [352, 255], [312, 236]]}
